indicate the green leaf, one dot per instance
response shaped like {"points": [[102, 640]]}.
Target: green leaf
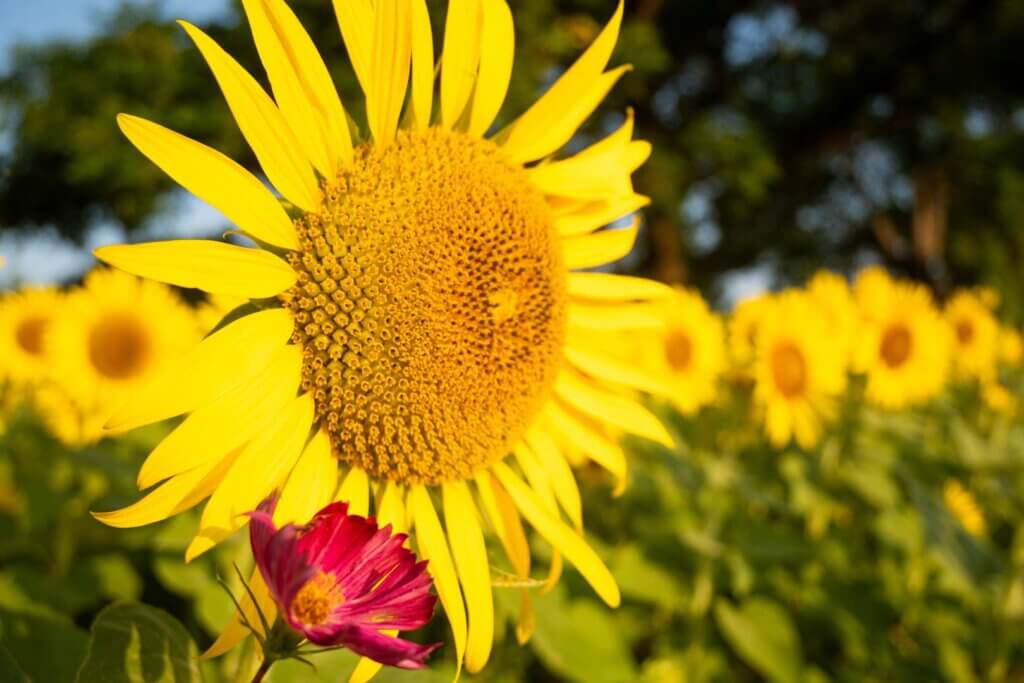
{"points": [[641, 579], [133, 643], [763, 634], [44, 647]]}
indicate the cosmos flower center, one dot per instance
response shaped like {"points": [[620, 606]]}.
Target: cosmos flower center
{"points": [[430, 307], [316, 601], [29, 335], [964, 332], [789, 369], [119, 346], [678, 350], [896, 345]]}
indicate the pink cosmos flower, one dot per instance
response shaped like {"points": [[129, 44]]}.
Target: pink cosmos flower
{"points": [[340, 580]]}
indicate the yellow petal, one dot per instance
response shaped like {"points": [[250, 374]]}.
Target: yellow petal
{"points": [[552, 120], [215, 179], [560, 536], [624, 413], [355, 490], [261, 467], [587, 216], [214, 267], [600, 248], [228, 422], [497, 50], [366, 669], [541, 484], [608, 287], [431, 541], [422, 65], [262, 125], [392, 46], [301, 83], [235, 632], [227, 357], [391, 509], [602, 450], [310, 485], [625, 374], [467, 543], [460, 58], [356, 21], [628, 316], [175, 496], [560, 476]]}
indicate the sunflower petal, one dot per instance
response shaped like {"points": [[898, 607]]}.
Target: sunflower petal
{"points": [[497, 50], [609, 287], [366, 669], [422, 65], [600, 248], [599, 448], [214, 267], [391, 509], [587, 216], [559, 535], [310, 485], [235, 632], [261, 466], [460, 58], [392, 46], [467, 543], [626, 414], [214, 178], [262, 125], [355, 490], [218, 363], [301, 83], [625, 374], [356, 21], [560, 476], [434, 548], [627, 316]]}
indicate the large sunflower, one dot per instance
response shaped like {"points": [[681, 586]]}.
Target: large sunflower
{"points": [[413, 298], [112, 336], [904, 345], [798, 371]]}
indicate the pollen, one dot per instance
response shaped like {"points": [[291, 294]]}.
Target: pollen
{"points": [[789, 369], [678, 351], [430, 307], [896, 346], [316, 601], [119, 347]]}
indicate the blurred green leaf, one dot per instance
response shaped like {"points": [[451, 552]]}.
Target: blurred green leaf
{"points": [[46, 648], [763, 634]]}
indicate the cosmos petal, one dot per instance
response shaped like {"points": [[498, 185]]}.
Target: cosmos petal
{"points": [[497, 51], [552, 120], [434, 548], [609, 287], [422, 65], [600, 248], [560, 536], [560, 475], [230, 355], [356, 21], [235, 631], [260, 467], [310, 485], [392, 49], [588, 216], [467, 543], [214, 267], [355, 490], [301, 84], [460, 58], [264, 128], [214, 178], [626, 414]]}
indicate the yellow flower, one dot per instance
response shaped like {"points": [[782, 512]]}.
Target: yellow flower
{"points": [[904, 346], [743, 331], [964, 507], [112, 336], [833, 297], [798, 371], [415, 307], [1011, 347], [25, 321], [975, 336], [999, 398], [871, 288]]}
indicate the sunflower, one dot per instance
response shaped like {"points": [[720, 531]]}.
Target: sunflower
{"points": [[1011, 347], [975, 336], [904, 346], [25, 319], [964, 507], [870, 289], [798, 371], [743, 331], [413, 299], [834, 299], [113, 334]]}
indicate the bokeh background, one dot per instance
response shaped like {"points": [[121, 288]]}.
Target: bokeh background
{"points": [[788, 137]]}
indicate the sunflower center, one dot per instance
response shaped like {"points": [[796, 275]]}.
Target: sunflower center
{"points": [[964, 332], [118, 346], [789, 369], [678, 350], [430, 307], [29, 335], [896, 346], [316, 601]]}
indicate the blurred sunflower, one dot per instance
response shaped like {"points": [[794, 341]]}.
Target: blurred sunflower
{"points": [[904, 346], [999, 399], [743, 331], [420, 299], [25, 321], [113, 335], [798, 371], [870, 288], [832, 294], [975, 336], [1011, 347], [962, 504]]}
